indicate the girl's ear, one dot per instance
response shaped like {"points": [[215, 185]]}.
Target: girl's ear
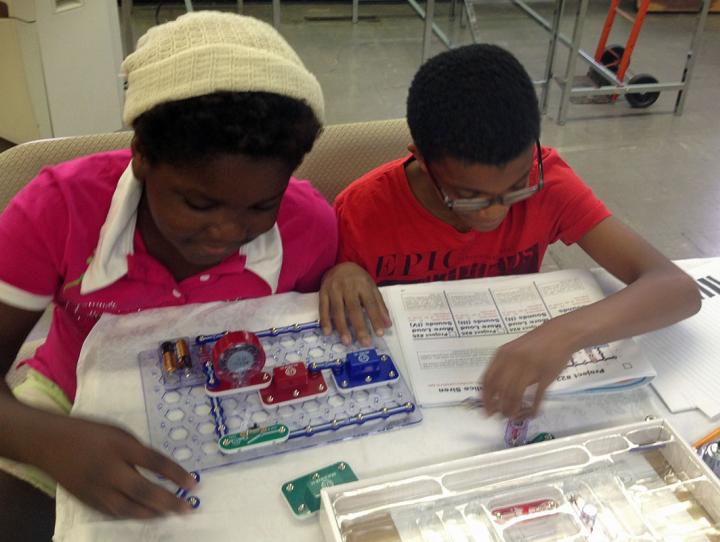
{"points": [[139, 163]]}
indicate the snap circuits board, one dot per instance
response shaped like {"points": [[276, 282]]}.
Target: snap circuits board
{"points": [[214, 400]]}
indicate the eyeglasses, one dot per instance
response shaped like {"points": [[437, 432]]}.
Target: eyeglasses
{"points": [[469, 205]]}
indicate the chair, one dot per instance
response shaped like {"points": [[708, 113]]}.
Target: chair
{"points": [[342, 153]]}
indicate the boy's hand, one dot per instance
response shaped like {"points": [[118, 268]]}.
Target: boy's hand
{"points": [[98, 464], [535, 359], [346, 289]]}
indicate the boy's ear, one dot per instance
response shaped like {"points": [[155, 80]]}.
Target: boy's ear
{"points": [[418, 156], [139, 163]]}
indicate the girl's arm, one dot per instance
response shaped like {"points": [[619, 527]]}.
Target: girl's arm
{"points": [[96, 462]]}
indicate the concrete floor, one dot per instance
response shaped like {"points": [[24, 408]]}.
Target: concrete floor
{"points": [[657, 172]]}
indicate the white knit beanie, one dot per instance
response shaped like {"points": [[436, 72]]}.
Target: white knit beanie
{"points": [[208, 51]]}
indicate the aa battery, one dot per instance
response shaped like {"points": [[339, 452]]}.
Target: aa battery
{"points": [[183, 354], [169, 357]]}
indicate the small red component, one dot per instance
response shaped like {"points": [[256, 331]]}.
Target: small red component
{"points": [[292, 383], [290, 377], [505, 513]]}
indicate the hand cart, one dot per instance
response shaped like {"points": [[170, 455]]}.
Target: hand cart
{"points": [[609, 67], [616, 58]]}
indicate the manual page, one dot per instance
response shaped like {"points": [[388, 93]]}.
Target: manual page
{"points": [[449, 331]]}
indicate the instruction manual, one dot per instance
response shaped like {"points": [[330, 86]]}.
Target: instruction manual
{"points": [[449, 332]]}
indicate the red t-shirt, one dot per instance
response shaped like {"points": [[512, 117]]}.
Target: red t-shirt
{"points": [[384, 228]]}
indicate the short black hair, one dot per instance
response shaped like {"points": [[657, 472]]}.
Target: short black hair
{"points": [[255, 124], [474, 103]]}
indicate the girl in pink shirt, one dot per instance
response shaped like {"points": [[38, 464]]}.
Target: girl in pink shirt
{"points": [[201, 208]]}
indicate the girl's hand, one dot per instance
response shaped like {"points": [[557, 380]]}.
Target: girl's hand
{"points": [[535, 359], [346, 289], [98, 464]]}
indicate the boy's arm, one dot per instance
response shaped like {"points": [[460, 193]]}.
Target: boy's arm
{"points": [[658, 294], [95, 462]]}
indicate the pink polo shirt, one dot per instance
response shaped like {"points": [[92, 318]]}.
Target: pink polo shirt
{"points": [[69, 238]]}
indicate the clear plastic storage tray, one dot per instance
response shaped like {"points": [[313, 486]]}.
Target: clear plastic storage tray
{"points": [[634, 482]]}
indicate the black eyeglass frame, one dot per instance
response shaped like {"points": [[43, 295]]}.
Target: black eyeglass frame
{"points": [[468, 205]]}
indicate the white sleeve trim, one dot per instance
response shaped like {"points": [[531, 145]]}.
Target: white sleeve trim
{"points": [[15, 297]]}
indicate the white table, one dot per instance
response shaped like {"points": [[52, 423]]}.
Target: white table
{"points": [[244, 499]]}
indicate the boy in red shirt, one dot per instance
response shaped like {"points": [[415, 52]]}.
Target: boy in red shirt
{"points": [[478, 197]]}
